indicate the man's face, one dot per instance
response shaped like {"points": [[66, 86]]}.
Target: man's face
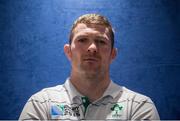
{"points": [[90, 51]]}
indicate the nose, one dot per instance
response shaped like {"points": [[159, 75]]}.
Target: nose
{"points": [[92, 48]]}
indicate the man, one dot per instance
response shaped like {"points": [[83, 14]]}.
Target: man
{"points": [[89, 93]]}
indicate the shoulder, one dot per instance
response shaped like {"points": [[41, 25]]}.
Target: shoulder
{"points": [[142, 107], [132, 95], [135, 96], [49, 93], [129, 95]]}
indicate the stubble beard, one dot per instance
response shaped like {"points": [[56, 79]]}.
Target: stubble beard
{"points": [[91, 73]]}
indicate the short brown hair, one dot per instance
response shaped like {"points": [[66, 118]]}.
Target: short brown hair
{"points": [[93, 19]]}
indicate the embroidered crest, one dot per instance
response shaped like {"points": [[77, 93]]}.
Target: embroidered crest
{"points": [[116, 110]]}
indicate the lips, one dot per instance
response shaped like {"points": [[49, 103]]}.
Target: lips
{"points": [[90, 59]]}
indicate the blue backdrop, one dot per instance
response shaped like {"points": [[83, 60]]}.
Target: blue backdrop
{"points": [[33, 32]]}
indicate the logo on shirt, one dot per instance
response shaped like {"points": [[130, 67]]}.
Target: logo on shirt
{"points": [[116, 110], [64, 110], [57, 110]]}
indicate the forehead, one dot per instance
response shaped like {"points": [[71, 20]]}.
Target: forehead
{"points": [[85, 29]]}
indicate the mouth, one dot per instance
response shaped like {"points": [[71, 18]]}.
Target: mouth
{"points": [[90, 59]]}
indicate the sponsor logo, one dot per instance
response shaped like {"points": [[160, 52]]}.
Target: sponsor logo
{"points": [[64, 110]]}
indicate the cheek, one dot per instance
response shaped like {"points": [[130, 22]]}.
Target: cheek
{"points": [[106, 55], [106, 51], [76, 53]]}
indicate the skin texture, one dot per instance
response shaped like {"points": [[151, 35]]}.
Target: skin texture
{"points": [[90, 54]]}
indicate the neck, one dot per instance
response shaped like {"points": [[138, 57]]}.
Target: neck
{"points": [[92, 87]]}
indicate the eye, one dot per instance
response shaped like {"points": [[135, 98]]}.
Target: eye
{"points": [[82, 40], [102, 42]]}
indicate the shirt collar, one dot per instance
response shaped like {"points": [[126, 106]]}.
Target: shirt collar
{"points": [[112, 90], [72, 92]]}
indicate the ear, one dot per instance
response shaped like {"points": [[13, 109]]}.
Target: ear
{"points": [[113, 54], [67, 51]]}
